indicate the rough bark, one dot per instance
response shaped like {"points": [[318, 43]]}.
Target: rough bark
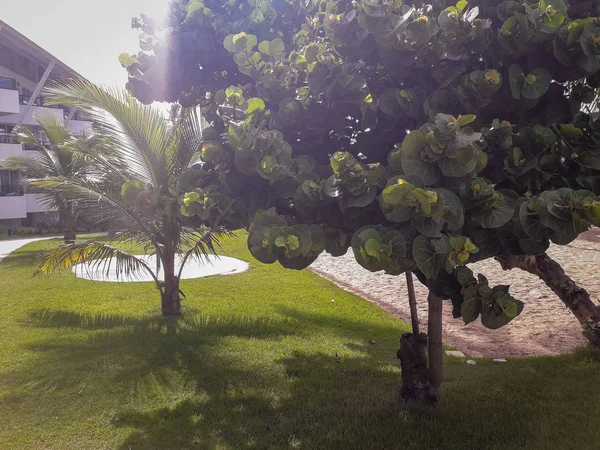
{"points": [[434, 331], [69, 221], [171, 295], [416, 384], [412, 302], [575, 297], [171, 301], [69, 236]]}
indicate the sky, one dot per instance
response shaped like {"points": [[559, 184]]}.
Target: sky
{"points": [[87, 35]]}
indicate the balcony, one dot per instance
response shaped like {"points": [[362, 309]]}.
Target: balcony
{"points": [[9, 97], [80, 127], [9, 146], [25, 99], [30, 147], [33, 204], [8, 138], [13, 206], [35, 111]]}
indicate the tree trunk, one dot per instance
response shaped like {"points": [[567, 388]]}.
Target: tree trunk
{"points": [[68, 221], [70, 236], [572, 295], [171, 302], [436, 353], [412, 302], [416, 384]]}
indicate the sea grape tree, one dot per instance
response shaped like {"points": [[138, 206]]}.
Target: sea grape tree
{"points": [[423, 135]]}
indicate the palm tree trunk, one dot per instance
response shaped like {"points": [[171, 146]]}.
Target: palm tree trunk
{"points": [[171, 295], [69, 219], [171, 302]]}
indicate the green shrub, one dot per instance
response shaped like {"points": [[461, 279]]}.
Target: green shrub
{"points": [[24, 231]]}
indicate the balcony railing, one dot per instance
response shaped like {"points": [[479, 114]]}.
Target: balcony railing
{"points": [[24, 100], [8, 83], [31, 147], [11, 191], [8, 139]]}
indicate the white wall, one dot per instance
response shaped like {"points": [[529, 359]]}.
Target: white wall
{"points": [[35, 111], [33, 204], [80, 127], [13, 207], [9, 102], [7, 150]]}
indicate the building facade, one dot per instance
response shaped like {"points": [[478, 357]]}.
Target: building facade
{"points": [[25, 68]]}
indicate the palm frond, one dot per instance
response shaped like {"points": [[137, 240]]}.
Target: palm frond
{"points": [[190, 126], [55, 131], [32, 167], [97, 255], [206, 243], [48, 158], [101, 203], [98, 158], [140, 130]]}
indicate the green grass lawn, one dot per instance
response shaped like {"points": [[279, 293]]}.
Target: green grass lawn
{"points": [[252, 364]]}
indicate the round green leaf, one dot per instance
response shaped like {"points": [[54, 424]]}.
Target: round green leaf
{"points": [[255, 104], [277, 47], [430, 254], [494, 217], [515, 79], [229, 44], [536, 84], [394, 194], [413, 142], [471, 304]]}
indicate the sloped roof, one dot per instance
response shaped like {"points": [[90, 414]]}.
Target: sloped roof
{"points": [[24, 44]]}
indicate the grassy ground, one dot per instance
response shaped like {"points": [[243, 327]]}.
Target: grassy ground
{"points": [[252, 364], [4, 237]]}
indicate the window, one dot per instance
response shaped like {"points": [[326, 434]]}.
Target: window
{"points": [[41, 136], [21, 65], [6, 135], [9, 183], [8, 83], [4, 56], [24, 63]]}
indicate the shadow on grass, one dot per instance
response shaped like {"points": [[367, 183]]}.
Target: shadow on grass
{"points": [[299, 399], [21, 258], [194, 324]]}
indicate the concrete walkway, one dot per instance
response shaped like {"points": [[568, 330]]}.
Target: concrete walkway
{"points": [[7, 247]]}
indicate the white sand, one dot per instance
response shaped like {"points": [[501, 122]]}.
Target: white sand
{"points": [[194, 268]]}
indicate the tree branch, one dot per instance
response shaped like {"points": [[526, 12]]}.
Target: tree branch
{"points": [[575, 297]]}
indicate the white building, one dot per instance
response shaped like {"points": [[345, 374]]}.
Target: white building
{"points": [[24, 70]]}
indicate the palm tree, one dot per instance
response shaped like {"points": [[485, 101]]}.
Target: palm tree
{"points": [[134, 189], [56, 157]]}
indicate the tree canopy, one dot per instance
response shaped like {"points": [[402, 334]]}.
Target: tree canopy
{"points": [[423, 136]]}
